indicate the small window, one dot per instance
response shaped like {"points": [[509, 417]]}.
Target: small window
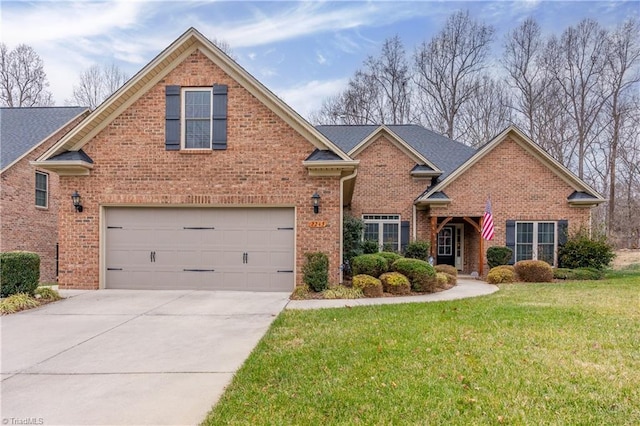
{"points": [[196, 112], [384, 229], [42, 189]]}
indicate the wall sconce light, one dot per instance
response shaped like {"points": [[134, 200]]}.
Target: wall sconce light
{"points": [[315, 200], [75, 197]]}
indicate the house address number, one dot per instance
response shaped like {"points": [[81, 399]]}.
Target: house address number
{"points": [[318, 224]]}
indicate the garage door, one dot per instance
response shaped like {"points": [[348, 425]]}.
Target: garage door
{"points": [[200, 248]]}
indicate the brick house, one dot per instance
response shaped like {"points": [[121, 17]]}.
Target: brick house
{"points": [[194, 175], [29, 195]]}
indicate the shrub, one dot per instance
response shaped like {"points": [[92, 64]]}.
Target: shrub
{"points": [[498, 255], [452, 280], [447, 269], [422, 276], [17, 302], [390, 256], [534, 271], [395, 283], [48, 294], [581, 251], [442, 280], [316, 271], [352, 237], [301, 292], [577, 274], [19, 273], [501, 274], [370, 247], [370, 286], [417, 250], [369, 264], [342, 292]]}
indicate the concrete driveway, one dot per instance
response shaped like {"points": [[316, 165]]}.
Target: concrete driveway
{"points": [[128, 357]]}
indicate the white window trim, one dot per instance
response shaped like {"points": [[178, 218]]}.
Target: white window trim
{"points": [[46, 190], [381, 219], [534, 253], [183, 118]]}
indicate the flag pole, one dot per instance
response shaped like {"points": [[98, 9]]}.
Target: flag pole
{"points": [[481, 267]]}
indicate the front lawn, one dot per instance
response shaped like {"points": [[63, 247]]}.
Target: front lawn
{"points": [[566, 353]]}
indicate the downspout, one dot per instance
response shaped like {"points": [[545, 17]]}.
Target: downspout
{"points": [[342, 180]]}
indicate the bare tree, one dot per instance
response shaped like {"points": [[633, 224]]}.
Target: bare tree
{"points": [[96, 84], [448, 69], [622, 75], [23, 82], [379, 93], [225, 47], [487, 113], [577, 61]]}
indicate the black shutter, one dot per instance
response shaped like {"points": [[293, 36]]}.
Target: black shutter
{"points": [[563, 229], [511, 239], [404, 234], [172, 118], [219, 116]]}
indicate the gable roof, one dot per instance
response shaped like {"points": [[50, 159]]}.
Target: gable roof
{"points": [[437, 151], [24, 129], [158, 68], [588, 195]]}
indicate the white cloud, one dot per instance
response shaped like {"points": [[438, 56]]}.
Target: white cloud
{"points": [[308, 97], [320, 58]]}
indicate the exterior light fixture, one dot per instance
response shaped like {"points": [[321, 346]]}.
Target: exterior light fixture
{"points": [[315, 200], [75, 197]]}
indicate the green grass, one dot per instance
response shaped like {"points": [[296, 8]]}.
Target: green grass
{"points": [[561, 354]]}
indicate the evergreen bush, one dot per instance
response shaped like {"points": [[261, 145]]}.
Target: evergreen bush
{"points": [[316, 271], [19, 273]]}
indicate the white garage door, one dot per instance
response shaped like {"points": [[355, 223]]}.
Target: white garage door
{"points": [[200, 248]]}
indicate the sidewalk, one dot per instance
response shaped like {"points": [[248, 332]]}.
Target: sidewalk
{"points": [[466, 287]]}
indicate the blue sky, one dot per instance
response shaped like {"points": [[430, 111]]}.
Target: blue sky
{"points": [[302, 51]]}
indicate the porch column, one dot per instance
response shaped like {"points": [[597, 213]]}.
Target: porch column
{"points": [[434, 232]]}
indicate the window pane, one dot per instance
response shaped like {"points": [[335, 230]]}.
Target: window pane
{"points": [[41, 189], [390, 236], [545, 252], [445, 240], [198, 134], [524, 233], [371, 232], [546, 233], [197, 104], [524, 252]]}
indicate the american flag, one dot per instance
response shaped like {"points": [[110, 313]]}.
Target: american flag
{"points": [[487, 230]]}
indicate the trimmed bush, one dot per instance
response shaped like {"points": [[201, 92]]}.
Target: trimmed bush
{"points": [[395, 283], [390, 256], [301, 292], [417, 250], [422, 276], [577, 274], [316, 271], [447, 269], [19, 273], [501, 275], [534, 271], [498, 255], [370, 286], [370, 247], [369, 264], [442, 280], [581, 251], [342, 292], [452, 280]]}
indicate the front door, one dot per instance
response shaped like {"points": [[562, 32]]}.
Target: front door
{"points": [[451, 246]]}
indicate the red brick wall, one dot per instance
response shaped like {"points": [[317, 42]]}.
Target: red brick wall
{"points": [[521, 188], [384, 184], [23, 226], [262, 166]]}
